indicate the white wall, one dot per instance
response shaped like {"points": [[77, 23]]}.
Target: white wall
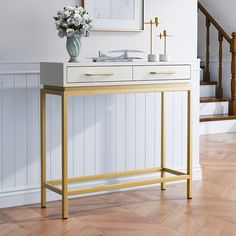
{"points": [[34, 36], [131, 122]]}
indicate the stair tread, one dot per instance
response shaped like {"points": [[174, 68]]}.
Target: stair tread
{"points": [[212, 99], [217, 117], [208, 83]]}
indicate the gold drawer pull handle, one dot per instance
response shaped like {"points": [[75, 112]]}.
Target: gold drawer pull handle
{"points": [[99, 74], [162, 73]]}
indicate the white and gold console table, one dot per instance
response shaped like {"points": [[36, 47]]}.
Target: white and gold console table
{"points": [[80, 79]]}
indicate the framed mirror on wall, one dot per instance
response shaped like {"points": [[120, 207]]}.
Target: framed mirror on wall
{"points": [[116, 15]]}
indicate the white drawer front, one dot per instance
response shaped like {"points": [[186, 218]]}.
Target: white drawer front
{"points": [[98, 74], [162, 72]]}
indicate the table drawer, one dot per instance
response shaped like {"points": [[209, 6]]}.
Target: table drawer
{"points": [[98, 74], [162, 72]]}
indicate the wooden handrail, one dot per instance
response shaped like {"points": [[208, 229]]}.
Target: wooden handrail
{"points": [[214, 22]]}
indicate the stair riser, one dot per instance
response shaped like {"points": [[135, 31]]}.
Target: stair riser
{"points": [[207, 91], [214, 108], [217, 127]]}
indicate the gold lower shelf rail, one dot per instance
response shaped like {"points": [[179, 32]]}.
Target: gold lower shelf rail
{"points": [[127, 185], [107, 176], [173, 172], [53, 185], [53, 188]]}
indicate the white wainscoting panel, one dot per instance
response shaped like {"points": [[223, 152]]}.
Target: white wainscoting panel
{"points": [[107, 133], [112, 133]]}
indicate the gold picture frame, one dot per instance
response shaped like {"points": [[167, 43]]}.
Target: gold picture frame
{"points": [[117, 29]]}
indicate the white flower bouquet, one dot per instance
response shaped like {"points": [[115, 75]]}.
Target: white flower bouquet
{"points": [[73, 21]]}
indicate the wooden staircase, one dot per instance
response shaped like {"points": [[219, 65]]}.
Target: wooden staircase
{"points": [[213, 105]]}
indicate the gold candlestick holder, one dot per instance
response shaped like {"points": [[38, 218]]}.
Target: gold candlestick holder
{"points": [[152, 57], [164, 57]]}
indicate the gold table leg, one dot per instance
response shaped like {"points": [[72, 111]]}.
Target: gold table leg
{"points": [[163, 138], [43, 147], [64, 156], [189, 148]]}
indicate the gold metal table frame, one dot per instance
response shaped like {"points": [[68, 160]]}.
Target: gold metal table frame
{"points": [[61, 186]]}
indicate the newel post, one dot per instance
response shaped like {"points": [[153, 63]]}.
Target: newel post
{"points": [[233, 72]]}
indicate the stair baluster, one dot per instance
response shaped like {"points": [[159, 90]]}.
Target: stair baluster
{"points": [[219, 92], [233, 71], [207, 70]]}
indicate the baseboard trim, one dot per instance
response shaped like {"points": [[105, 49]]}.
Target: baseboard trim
{"points": [[32, 195]]}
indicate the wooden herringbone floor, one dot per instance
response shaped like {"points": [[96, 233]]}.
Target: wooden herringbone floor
{"points": [[149, 211]]}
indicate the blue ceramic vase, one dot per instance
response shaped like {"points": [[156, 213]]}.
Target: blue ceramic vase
{"points": [[73, 45]]}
